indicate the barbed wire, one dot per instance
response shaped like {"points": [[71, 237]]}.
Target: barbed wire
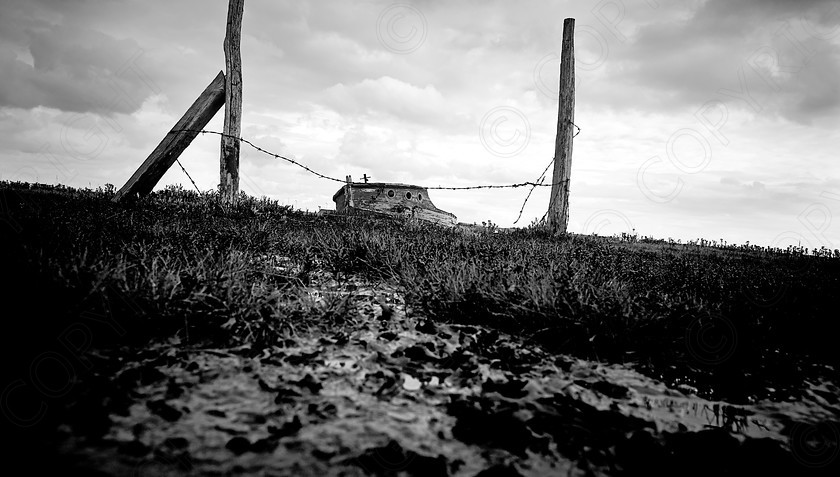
{"points": [[277, 156], [343, 181], [540, 180], [188, 175], [501, 186]]}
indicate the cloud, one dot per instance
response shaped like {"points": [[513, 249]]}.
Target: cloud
{"points": [[74, 70], [781, 52], [754, 185], [324, 86], [391, 97], [812, 92], [727, 17]]}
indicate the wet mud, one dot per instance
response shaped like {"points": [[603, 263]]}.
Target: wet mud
{"points": [[382, 393]]}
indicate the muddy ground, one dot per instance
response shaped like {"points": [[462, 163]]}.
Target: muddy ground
{"points": [[377, 392]]}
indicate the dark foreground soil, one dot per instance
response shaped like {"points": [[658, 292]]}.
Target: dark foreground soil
{"points": [[378, 393]]}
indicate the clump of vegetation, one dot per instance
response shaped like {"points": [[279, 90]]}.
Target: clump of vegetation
{"points": [[722, 317]]}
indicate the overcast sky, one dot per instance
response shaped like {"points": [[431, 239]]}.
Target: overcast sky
{"points": [[715, 119]]}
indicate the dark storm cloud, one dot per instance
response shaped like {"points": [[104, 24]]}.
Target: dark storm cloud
{"points": [[815, 92], [782, 52], [726, 15], [66, 67]]}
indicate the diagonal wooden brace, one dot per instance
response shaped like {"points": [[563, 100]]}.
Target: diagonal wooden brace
{"points": [[179, 137]]}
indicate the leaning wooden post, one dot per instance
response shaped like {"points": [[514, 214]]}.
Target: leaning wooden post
{"points": [[558, 206], [229, 159], [173, 144]]}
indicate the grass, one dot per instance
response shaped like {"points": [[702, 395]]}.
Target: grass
{"points": [[728, 319]]}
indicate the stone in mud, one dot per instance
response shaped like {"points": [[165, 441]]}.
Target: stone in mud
{"points": [[499, 470], [238, 445], [144, 375], [150, 374], [302, 358], [310, 383], [610, 390], [265, 386], [510, 357], [323, 454], [579, 430], [388, 386], [392, 459], [134, 448], [488, 337], [387, 311], [512, 388], [265, 445], [427, 327], [164, 410], [419, 352], [173, 389], [322, 410], [287, 429], [563, 363], [479, 423], [285, 395], [460, 359]]}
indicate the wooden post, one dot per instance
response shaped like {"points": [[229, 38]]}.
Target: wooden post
{"points": [[229, 158], [173, 144], [558, 206], [348, 194]]}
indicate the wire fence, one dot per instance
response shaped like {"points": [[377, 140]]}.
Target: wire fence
{"points": [[188, 175], [540, 182]]}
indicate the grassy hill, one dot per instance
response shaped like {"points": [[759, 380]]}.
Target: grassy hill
{"points": [[81, 273]]}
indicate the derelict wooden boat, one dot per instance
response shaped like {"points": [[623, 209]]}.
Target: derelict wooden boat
{"points": [[390, 198]]}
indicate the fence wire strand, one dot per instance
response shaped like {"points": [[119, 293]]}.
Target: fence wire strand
{"points": [[541, 179], [188, 175], [533, 185], [269, 153]]}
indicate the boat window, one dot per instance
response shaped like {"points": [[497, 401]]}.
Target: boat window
{"points": [[391, 193], [408, 195], [420, 197]]}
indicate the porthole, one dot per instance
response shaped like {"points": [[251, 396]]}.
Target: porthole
{"points": [[420, 197], [408, 195], [391, 193]]}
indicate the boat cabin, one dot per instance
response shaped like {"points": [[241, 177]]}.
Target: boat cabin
{"points": [[391, 199]]}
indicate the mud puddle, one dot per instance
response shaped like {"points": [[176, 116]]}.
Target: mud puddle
{"points": [[384, 394]]}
